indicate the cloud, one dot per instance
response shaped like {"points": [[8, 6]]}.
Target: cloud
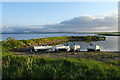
{"points": [[101, 28], [85, 23], [88, 23]]}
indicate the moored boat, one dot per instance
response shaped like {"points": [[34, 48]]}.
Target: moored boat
{"points": [[42, 47], [93, 47], [75, 47], [62, 47]]}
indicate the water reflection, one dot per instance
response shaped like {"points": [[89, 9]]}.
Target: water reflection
{"points": [[110, 44]]}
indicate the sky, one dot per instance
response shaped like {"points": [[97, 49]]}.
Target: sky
{"points": [[59, 0], [52, 16]]}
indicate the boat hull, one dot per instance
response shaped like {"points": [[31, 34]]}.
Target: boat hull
{"points": [[90, 50], [93, 48], [74, 48], [42, 48], [62, 48]]}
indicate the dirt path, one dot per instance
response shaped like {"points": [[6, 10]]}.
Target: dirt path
{"points": [[97, 56]]}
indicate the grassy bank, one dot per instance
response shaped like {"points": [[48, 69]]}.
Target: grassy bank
{"points": [[75, 68], [12, 43]]}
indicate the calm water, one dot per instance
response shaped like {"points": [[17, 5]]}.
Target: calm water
{"points": [[35, 36], [111, 43]]}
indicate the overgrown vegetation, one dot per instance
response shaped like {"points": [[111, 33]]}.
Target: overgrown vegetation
{"points": [[63, 68]]}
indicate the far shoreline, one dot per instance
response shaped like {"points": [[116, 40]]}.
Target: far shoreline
{"points": [[60, 32]]}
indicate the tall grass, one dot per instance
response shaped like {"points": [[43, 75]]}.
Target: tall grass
{"points": [[62, 68]]}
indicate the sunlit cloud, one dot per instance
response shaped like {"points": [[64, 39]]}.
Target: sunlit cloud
{"points": [[87, 23]]}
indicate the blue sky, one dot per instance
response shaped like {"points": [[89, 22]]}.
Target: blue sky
{"points": [[59, 16], [40, 13]]}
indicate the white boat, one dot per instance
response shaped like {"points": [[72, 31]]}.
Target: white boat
{"points": [[62, 47], [93, 47], [42, 47], [75, 47]]}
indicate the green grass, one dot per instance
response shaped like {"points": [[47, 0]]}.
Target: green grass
{"points": [[76, 68], [117, 63]]}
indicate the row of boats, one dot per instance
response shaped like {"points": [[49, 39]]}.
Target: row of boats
{"points": [[74, 47]]}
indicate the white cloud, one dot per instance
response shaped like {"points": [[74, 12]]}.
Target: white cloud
{"points": [[101, 28], [87, 23]]}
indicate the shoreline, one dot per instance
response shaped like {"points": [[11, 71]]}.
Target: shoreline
{"points": [[97, 56], [12, 43]]}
